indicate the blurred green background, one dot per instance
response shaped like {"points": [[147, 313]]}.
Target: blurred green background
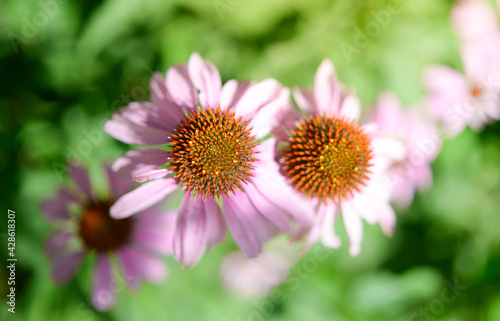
{"points": [[67, 65]]}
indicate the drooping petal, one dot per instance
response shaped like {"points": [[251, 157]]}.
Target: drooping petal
{"points": [[138, 266], [206, 79], [56, 208], [330, 214], [191, 233], [155, 230], [270, 211], [139, 161], [65, 261], [248, 227], [103, 292], [142, 197], [354, 227], [216, 226]]}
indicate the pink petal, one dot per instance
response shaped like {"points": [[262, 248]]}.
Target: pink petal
{"points": [[181, 89], [270, 211], [172, 100], [138, 266], [206, 79], [354, 228], [65, 263], [57, 242], [81, 177], [305, 100], [155, 230], [269, 182], [131, 133], [327, 89], [191, 233], [103, 292], [249, 228], [118, 184], [142, 197], [151, 175], [351, 108], [216, 226], [138, 161], [388, 111], [256, 96], [474, 20], [148, 115], [56, 208], [266, 117], [231, 93], [328, 236]]}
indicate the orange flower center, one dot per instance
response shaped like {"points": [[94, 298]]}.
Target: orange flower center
{"points": [[212, 152], [327, 157], [100, 232]]}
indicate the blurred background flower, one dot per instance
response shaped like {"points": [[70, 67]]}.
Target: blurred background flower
{"points": [[67, 65]]}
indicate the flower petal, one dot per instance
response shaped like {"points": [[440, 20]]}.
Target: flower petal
{"points": [[351, 107], [81, 177], [216, 226], [138, 266], [305, 100], [56, 208], [103, 291], [249, 228], [181, 90], [231, 93], [65, 264], [191, 233], [138, 161], [265, 118], [155, 230], [151, 175], [142, 197], [128, 132], [206, 79], [118, 184], [327, 89], [354, 227]]}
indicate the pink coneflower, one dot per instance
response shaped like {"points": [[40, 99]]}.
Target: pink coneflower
{"points": [[472, 99], [422, 141], [214, 155], [86, 228], [256, 277], [337, 164]]}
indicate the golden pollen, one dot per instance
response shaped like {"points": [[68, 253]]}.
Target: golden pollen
{"points": [[327, 157], [476, 91], [212, 152], [101, 232]]}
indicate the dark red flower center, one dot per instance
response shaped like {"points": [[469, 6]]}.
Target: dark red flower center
{"points": [[100, 232], [327, 158], [212, 152]]}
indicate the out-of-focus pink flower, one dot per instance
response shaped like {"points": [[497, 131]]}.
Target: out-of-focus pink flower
{"points": [[258, 276], [212, 133], [338, 165], [88, 229], [422, 141], [473, 99]]}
